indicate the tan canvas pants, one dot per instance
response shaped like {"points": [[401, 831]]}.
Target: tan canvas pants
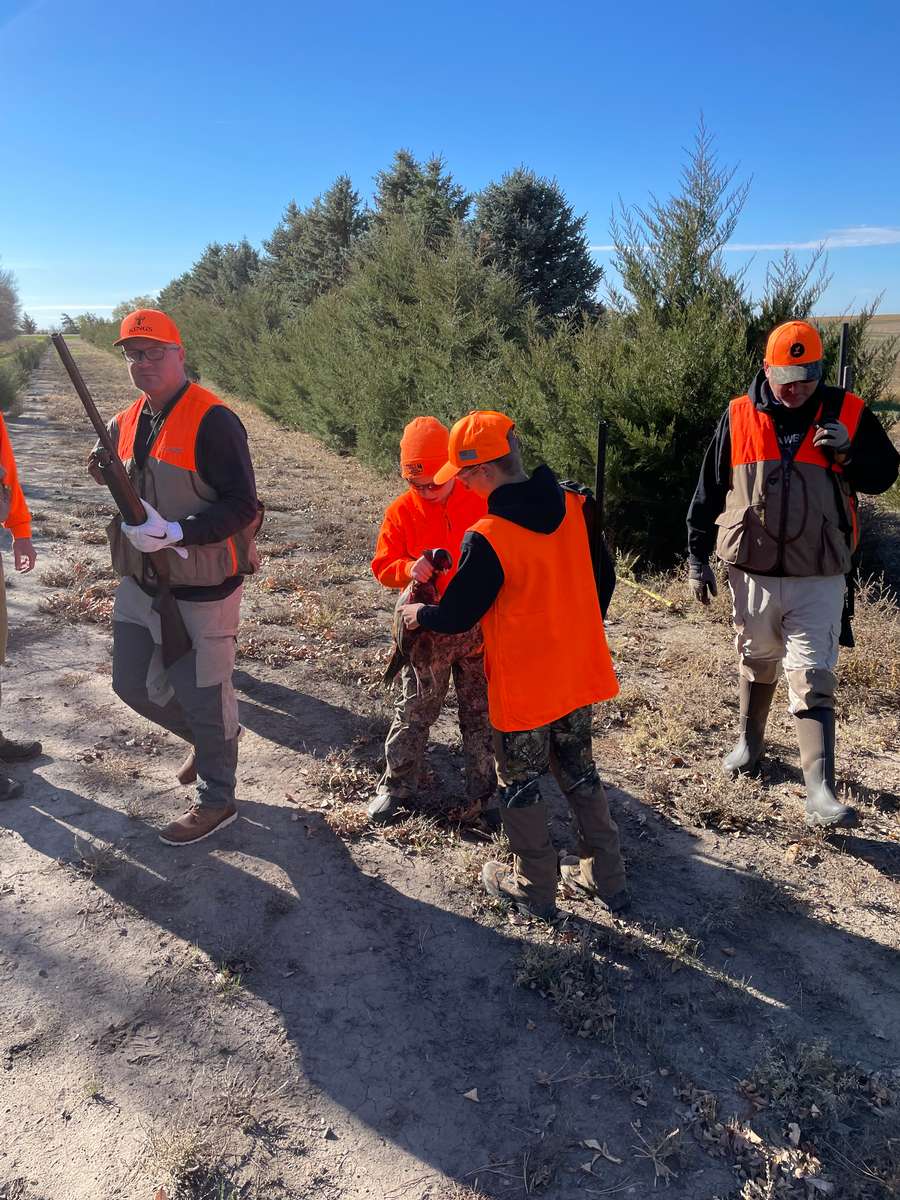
{"points": [[791, 620]]}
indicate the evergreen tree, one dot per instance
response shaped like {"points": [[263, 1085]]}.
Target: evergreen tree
{"points": [[220, 275], [129, 306], [310, 251], [175, 291], [9, 305], [28, 324], [680, 354], [423, 193], [525, 226], [223, 272], [669, 255], [68, 324], [415, 329]]}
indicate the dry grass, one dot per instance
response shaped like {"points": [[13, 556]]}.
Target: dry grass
{"points": [[245, 1101], [183, 1161], [347, 785], [69, 573], [95, 858], [82, 603], [843, 1118], [659, 1147], [271, 650], [572, 974], [418, 833], [871, 671]]}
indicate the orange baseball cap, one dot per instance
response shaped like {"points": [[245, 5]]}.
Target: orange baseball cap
{"points": [[149, 323], [477, 438], [794, 353], [423, 447]]}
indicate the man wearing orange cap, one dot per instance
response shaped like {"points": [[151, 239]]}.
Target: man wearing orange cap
{"points": [[526, 574], [17, 519], [777, 500], [429, 516], [187, 452]]}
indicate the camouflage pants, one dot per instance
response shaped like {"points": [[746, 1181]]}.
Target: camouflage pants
{"points": [[563, 747], [460, 657]]}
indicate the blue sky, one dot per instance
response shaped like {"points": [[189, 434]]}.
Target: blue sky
{"points": [[131, 136]]}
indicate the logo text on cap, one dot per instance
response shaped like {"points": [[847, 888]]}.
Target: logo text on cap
{"points": [[465, 455]]}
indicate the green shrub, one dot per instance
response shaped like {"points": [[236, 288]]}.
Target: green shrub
{"points": [[416, 329], [9, 386], [18, 358]]}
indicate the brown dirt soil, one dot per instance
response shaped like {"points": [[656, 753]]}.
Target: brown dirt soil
{"points": [[304, 1007]]}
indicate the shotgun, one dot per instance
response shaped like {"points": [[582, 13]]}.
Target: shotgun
{"points": [[845, 381], [176, 641], [604, 568], [600, 487]]}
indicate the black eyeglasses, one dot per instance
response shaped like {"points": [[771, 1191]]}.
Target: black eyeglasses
{"points": [[154, 354]]}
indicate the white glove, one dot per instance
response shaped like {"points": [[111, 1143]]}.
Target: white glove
{"points": [[156, 533], [833, 436]]}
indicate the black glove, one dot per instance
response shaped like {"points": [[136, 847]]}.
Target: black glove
{"points": [[833, 436], [702, 582]]}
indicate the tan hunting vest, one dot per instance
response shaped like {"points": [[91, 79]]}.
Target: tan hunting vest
{"points": [[786, 516], [170, 482]]}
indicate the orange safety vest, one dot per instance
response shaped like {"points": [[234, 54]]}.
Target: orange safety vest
{"points": [[169, 480], [795, 517], [412, 525], [544, 644]]}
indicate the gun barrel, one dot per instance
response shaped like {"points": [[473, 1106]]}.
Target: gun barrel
{"points": [[845, 369], [81, 388]]}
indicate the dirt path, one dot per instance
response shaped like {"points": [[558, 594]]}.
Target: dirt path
{"points": [[303, 1008]]}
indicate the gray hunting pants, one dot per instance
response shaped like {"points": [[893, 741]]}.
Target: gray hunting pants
{"points": [[194, 698]]}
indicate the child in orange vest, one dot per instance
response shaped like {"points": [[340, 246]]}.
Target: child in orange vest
{"points": [[526, 574], [429, 516]]}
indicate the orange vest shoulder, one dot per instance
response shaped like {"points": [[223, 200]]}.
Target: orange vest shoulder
{"points": [[176, 443]]}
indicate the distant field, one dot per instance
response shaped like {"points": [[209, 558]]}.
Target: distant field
{"points": [[880, 329]]}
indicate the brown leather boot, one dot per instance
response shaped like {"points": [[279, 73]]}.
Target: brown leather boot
{"points": [[197, 823], [11, 751]]}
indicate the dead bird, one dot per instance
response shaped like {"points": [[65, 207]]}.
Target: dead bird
{"points": [[414, 646]]}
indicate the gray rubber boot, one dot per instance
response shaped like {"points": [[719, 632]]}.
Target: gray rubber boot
{"points": [[815, 736], [755, 701]]}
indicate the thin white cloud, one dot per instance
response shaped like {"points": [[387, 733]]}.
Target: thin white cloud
{"points": [[853, 237], [66, 307]]}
